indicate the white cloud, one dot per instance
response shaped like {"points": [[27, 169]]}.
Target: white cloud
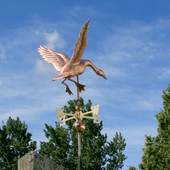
{"points": [[165, 73], [135, 99], [26, 40], [84, 11], [45, 68], [152, 44], [2, 52], [134, 136], [53, 40], [145, 105], [134, 43], [114, 72], [162, 35], [146, 101], [135, 65], [151, 57], [40, 105]]}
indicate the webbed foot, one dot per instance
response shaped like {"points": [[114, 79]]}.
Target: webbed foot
{"points": [[80, 87], [68, 91]]}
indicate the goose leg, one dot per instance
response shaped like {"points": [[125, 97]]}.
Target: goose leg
{"points": [[79, 86], [67, 88]]}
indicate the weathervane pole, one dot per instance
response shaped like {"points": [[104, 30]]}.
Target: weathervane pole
{"points": [[79, 133], [79, 150], [78, 91]]}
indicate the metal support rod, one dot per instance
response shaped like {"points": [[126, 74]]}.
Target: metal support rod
{"points": [[79, 150], [78, 92], [79, 133]]}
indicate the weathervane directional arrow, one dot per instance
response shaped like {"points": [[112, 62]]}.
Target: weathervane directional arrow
{"points": [[78, 115]]}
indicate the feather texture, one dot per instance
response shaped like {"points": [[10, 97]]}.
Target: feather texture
{"points": [[80, 44], [56, 58]]}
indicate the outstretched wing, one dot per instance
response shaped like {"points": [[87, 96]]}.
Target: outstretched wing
{"points": [[80, 44], [56, 58]]}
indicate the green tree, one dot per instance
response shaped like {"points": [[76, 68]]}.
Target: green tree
{"points": [[115, 156], [58, 146], [157, 151], [15, 142], [132, 168], [62, 146]]}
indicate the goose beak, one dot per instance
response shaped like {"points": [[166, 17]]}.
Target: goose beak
{"points": [[104, 76]]}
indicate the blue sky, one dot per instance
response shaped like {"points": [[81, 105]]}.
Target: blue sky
{"points": [[129, 40]]}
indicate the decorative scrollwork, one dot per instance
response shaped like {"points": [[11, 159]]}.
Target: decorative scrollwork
{"points": [[78, 115]]}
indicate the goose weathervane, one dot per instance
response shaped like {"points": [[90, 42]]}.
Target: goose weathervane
{"points": [[75, 65]]}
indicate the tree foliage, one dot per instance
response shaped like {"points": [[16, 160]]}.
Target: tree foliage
{"points": [[157, 151], [114, 149], [62, 145], [15, 142], [132, 168]]}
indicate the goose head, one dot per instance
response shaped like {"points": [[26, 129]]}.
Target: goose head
{"points": [[101, 73]]}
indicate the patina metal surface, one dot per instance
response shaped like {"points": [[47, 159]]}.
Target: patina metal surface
{"points": [[71, 67], [79, 126]]}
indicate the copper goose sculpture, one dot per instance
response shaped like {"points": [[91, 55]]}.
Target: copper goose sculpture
{"points": [[70, 67]]}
